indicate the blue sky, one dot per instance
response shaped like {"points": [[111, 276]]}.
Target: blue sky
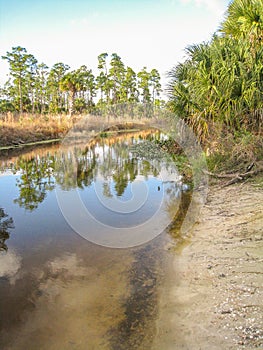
{"points": [[151, 33]]}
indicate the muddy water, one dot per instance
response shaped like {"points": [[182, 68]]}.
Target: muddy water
{"points": [[59, 290]]}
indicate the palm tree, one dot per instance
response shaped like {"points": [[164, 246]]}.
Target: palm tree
{"points": [[70, 83], [221, 81], [245, 20]]}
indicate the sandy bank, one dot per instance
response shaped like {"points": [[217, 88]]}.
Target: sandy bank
{"points": [[213, 298]]}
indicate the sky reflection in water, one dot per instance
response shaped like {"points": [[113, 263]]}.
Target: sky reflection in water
{"points": [[48, 274]]}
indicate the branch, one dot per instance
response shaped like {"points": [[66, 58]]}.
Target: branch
{"points": [[218, 176], [237, 177]]}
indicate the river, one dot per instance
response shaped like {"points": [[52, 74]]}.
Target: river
{"points": [[72, 283]]}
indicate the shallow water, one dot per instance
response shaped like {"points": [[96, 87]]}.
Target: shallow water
{"points": [[59, 290]]}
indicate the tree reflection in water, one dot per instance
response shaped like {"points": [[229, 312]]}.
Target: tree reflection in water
{"points": [[108, 159], [6, 224], [35, 180]]}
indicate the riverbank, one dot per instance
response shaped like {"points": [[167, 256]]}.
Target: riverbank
{"points": [[33, 130], [210, 293], [28, 129], [213, 294]]}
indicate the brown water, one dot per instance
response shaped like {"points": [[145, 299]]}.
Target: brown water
{"points": [[59, 290]]}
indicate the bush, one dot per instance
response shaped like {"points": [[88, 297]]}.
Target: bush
{"points": [[235, 152]]}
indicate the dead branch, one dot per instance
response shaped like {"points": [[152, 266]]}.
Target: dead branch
{"points": [[237, 177], [218, 176]]}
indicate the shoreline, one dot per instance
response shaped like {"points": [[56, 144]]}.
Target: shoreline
{"points": [[212, 297], [16, 135], [35, 143]]}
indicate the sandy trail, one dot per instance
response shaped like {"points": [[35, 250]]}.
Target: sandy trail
{"points": [[213, 298]]}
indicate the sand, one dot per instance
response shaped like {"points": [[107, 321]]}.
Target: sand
{"points": [[213, 294]]}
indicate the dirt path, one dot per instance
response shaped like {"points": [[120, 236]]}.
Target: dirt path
{"points": [[214, 296]]}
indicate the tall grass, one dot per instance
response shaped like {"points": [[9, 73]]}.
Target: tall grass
{"points": [[19, 129], [25, 128]]}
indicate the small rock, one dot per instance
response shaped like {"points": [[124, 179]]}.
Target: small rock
{"points": [[222, 275]]}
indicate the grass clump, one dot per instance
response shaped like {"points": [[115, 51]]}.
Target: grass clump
{"points": [[235, 152]]}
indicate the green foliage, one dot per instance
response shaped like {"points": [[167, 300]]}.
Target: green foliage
{"points": [[221, 81], [35, 88], [6, 106], [117, 76], [144, 84], [56, 102], [245, 20], [22, 70]]}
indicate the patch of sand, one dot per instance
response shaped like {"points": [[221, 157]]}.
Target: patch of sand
{"points": [[213, 296]]}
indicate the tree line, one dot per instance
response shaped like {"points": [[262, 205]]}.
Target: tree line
{"points": [[221, 81], [218, 85], [34, 88]]}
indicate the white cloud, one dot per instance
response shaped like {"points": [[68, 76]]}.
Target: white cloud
{"points": [[215, 6]]}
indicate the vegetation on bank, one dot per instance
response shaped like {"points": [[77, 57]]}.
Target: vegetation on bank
{"points": [[220, 84], [20, 130], [217, 90]]}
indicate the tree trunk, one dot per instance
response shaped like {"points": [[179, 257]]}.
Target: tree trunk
{"points": [[71, 102], [20, 97]]}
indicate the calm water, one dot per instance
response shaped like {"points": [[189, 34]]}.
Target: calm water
{"points": [[59, 290]]}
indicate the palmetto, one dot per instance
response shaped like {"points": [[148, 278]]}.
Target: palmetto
{"points": [[221, 81]]}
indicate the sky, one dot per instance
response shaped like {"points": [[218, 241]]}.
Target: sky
{"points": [[150, 33]]}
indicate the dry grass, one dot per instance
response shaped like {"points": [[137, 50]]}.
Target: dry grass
{"points": [[32, 128], [230, 152], [28, 128]]}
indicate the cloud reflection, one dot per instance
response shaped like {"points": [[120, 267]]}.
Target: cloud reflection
{"points": [[10, 263]]}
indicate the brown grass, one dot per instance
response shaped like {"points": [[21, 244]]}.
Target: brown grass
{"points": [[228, 152], [28, 128], [32, 128]]}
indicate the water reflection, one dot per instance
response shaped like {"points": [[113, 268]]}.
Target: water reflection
{"points": [[6, 224], [10, 263], [35, 180], [109, 159], [131, 183], [57, 290]]}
